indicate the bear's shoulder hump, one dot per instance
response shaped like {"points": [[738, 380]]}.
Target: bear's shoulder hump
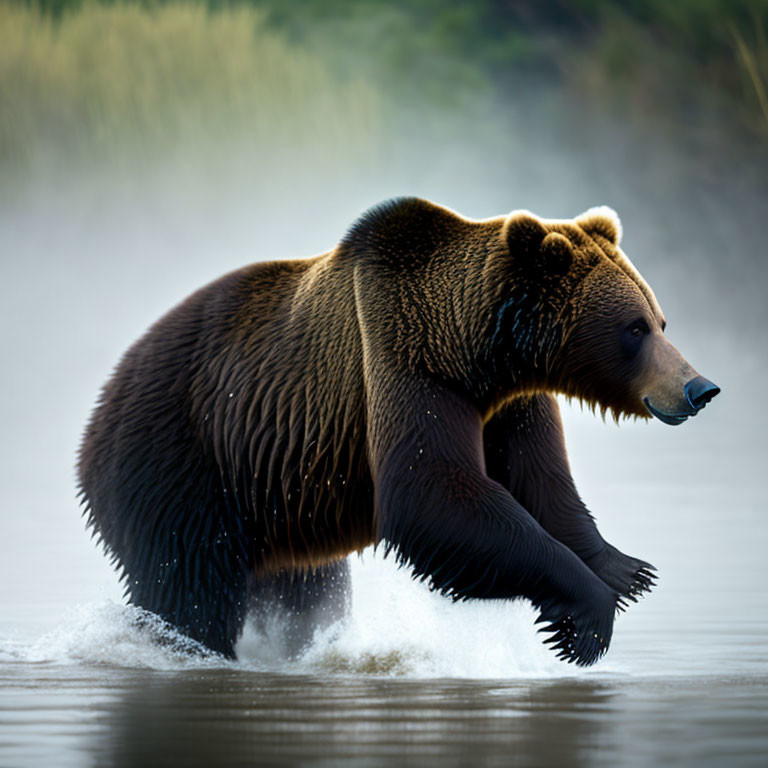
{"points": [[396, 228]]}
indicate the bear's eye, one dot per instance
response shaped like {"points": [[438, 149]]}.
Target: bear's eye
{"points": [[632, 338], [639, 328]]}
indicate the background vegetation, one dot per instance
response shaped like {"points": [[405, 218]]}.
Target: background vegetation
{"points": [[78, 76], [110, 83], [677, 59]]}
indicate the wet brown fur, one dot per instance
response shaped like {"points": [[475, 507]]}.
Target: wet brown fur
{"points": [[263, 425]]}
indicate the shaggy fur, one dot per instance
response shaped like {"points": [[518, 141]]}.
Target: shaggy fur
{"points": [[396, 390]]}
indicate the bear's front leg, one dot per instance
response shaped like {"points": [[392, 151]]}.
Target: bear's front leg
{"points": [[525, 452], [464, 532]]}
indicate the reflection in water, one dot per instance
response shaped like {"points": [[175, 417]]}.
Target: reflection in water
{"points": [[226, 717]]}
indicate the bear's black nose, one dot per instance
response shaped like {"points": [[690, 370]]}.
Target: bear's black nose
{"points": [[699, 392]]}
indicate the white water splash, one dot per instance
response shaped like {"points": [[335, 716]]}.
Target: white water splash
{"points": [[395, 627], [399, 627], [111, 634]]}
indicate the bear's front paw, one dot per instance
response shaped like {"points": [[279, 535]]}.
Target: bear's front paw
{"points": [[580, 629], [629, 576]]}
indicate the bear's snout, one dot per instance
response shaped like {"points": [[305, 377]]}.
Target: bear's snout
{"points": [[696, 394], [673, 390], [699, 391]]}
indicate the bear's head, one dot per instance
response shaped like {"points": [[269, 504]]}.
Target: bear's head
{"points": [[589, 326]]}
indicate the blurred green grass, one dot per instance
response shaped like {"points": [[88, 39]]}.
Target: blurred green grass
{"points": [[112, 83], [755, 61], [693, 66], [678, 61], [116, 81]]}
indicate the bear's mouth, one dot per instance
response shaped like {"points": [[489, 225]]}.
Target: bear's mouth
{"points": [[668, 418]]}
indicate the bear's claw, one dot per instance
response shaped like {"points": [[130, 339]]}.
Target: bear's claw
{"points": [[629, 576], [580, 632]]}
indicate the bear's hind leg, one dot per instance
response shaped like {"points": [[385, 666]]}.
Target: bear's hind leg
{"points": [[193, 573], [302, 601], [196, 597]]}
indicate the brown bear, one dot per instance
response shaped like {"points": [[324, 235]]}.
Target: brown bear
{"points": [[397, 389]]}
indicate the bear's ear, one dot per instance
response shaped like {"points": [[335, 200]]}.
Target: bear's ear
{"points": [[556, 254], [602, 221], [523, 233], [534, 248]]}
